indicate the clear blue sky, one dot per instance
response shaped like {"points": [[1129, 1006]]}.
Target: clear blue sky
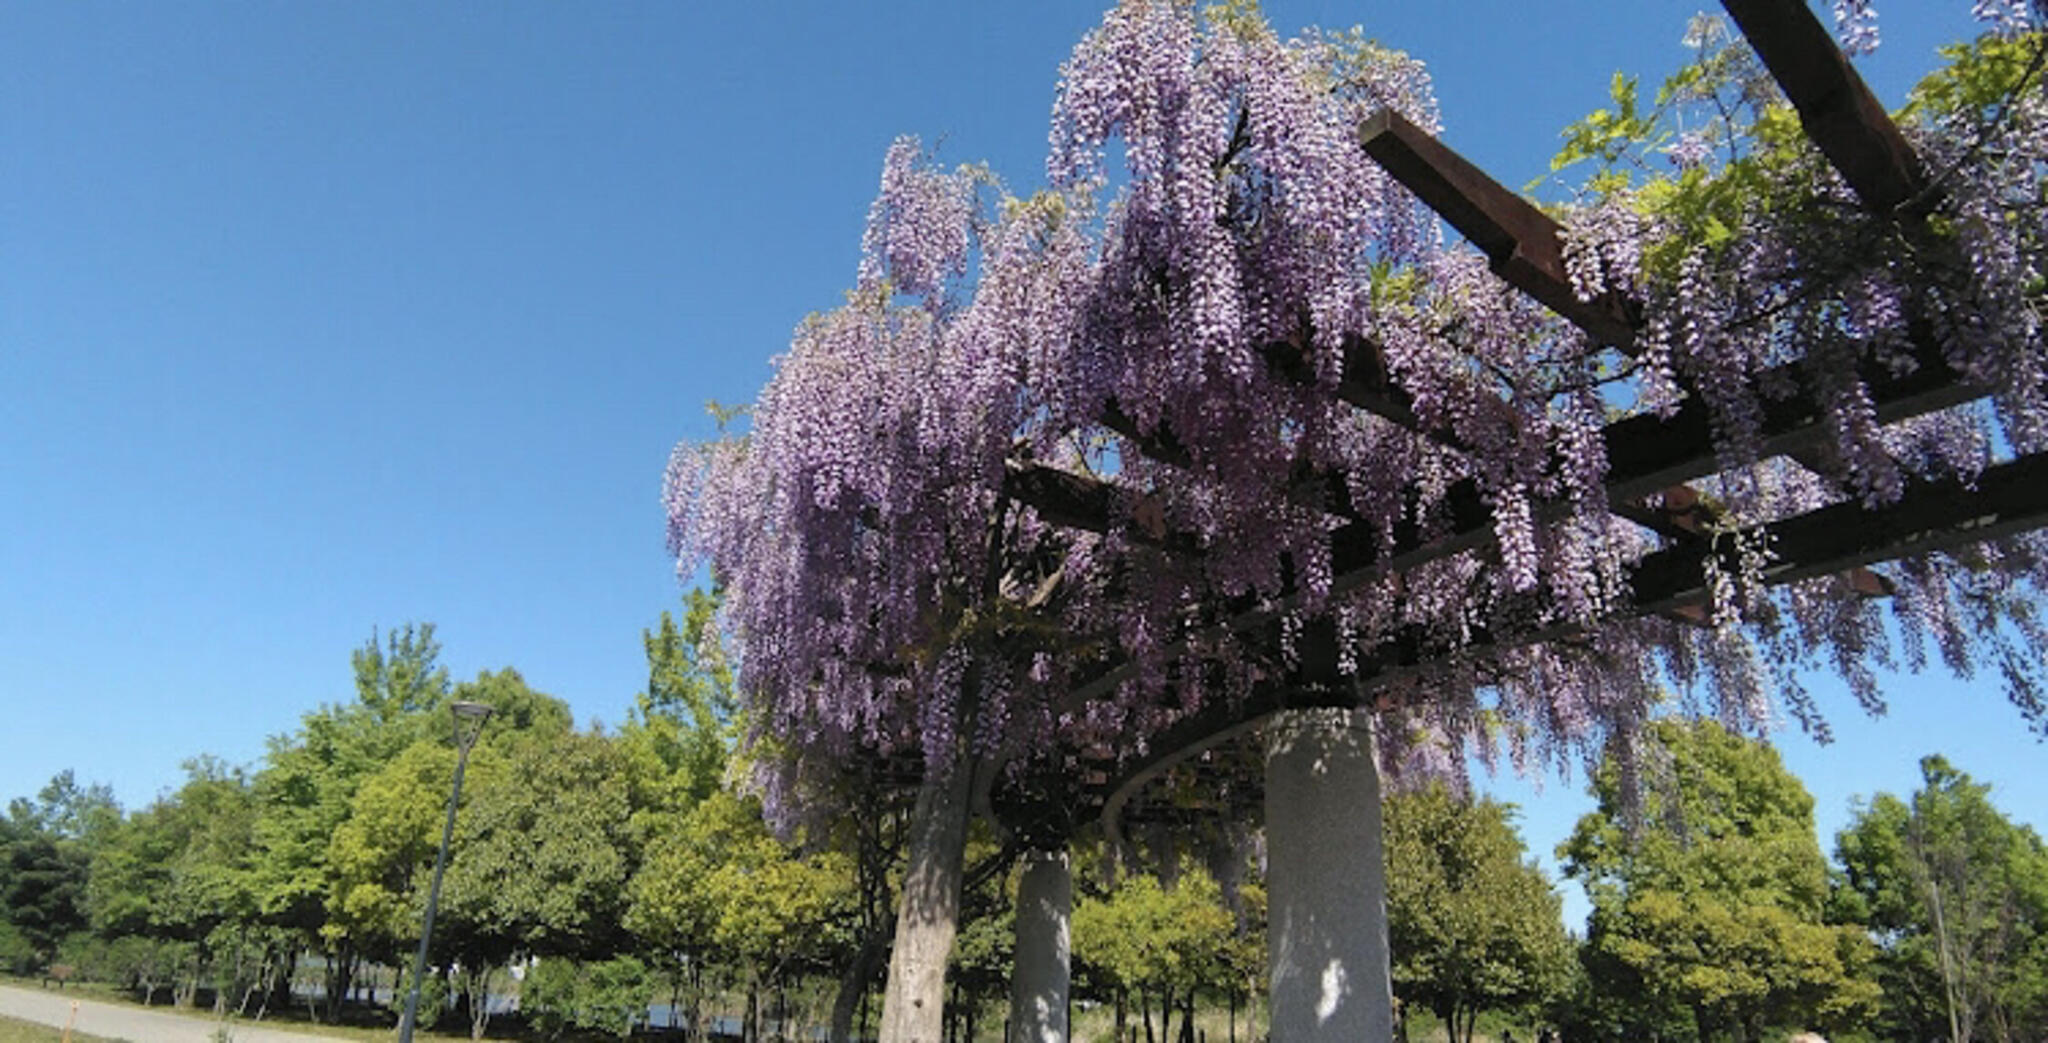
{"points": [[318, 317]]}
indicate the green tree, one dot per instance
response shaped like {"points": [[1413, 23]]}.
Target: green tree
{"points": [[726, 889], [46, 850], [404, 676], [42, 892], [310, 779], [179, 872], [382, 853], [1473, 925], [1155, 942], [609, 996], [679, 739], [67, 810], [380, 858], [1714, 922], [1956, 895], [541, 858], [686, 719]]}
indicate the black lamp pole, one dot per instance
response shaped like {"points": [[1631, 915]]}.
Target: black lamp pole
{"points": [[469, 723]]}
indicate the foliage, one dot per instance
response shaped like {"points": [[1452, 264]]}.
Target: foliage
{"points": [[404, 676], [179, 869], [682, 728], [382, 853], [1471, 924], [726, 883], [65, 809], [42, 891], [543, 853], [1150, 938], [608, 996], [17, 954], [1711, 911], [311, 777], [1956, 896]]}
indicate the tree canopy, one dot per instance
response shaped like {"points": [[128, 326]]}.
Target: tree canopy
{"points": [[1956, 896], [1474, 925], [1708, 911]]}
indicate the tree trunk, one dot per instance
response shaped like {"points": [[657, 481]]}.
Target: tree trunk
{"points": [[282, 988], [951, 1029], [1145, 1015], [853, 990], [341, 968], [860, 1020], [928, 914], [479, 1002], [1187, 1016], [1120, 1020]]}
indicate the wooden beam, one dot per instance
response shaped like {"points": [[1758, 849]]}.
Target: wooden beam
{"points": [[1931, 516], [1647, 454], [1076, 501], [1835, 106], [1521, 242], [1061, 497], [1364, 381], [1159, 443], [2007, 499]]}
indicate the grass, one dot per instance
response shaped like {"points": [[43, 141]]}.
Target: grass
{"points": [[1096, 1024], [13, 1030]]}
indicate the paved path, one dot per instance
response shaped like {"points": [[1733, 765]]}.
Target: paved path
{"points": [[137, 1024]]}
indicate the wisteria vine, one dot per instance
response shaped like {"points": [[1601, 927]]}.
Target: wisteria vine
{"points": [[1169, 318]]}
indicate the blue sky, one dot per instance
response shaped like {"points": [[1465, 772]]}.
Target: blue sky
{"points": [[319, 317]]}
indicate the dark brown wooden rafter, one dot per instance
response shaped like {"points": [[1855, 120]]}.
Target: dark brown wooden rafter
{"points": [[1932, 516], [1364, 381], [1521, 242], [1158, 443], [1836, 108], [1075, 501], [1647, 456], [2004, 500]]}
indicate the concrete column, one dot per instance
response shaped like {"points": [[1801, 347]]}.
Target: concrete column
{"points": [[1327, 889], [1038, 982]]}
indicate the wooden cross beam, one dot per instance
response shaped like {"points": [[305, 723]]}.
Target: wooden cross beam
{"points": [[2006, 499], [1836, 108], [1520, 241], [1647, 455]]}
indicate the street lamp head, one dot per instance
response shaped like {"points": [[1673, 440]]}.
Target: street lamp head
{"points": [[469, 721]]}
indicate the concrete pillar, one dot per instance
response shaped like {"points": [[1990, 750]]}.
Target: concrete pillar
{"points": [[1326, 880], [1038, 982]]}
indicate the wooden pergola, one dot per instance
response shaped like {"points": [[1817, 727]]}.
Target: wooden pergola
{"points": [[1651, 458], [1332, 904]]}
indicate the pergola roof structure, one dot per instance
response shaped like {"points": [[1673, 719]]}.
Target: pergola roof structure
{"points": [[1651, 458]]}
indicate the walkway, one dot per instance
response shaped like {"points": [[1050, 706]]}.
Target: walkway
{"points": [[141, 1025]]}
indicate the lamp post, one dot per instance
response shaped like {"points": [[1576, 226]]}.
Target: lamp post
{"points": [[469, 723]]}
